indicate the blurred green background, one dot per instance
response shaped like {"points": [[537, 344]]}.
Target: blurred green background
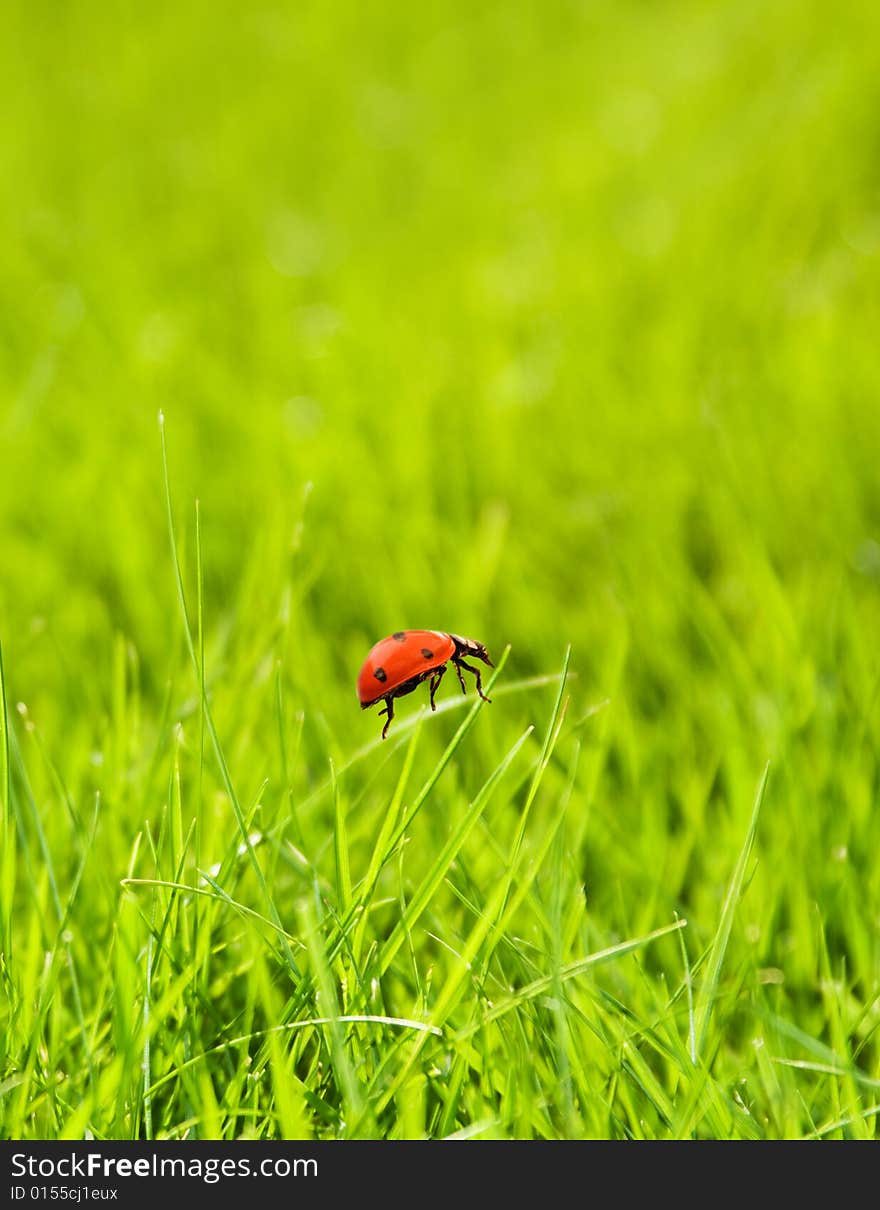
{"points": [[558, 308], [543, 324]]}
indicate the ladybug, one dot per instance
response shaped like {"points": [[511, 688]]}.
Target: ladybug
{"points": [[398, 665]]}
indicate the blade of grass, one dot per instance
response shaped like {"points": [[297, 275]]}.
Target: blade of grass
{"points": [[209, 721], [7, 827], [571, 970], [841, 1124], [440, 867], [352, 1095], [382, 846], [715, 961], [340, 845], [689, 986], [292, 814], [554, 730], [216, 893]]}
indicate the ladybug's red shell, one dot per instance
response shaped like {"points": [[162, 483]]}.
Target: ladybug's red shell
{"points": [[403, 656], [406, 659]]}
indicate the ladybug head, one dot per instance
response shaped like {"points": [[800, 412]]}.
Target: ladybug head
{"points": [[470, 647]]}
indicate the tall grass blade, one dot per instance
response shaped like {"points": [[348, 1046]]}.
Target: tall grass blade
{"points": [[209, 721], [715, 961]]}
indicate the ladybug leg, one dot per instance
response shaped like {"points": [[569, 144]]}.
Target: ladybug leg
{"points": [[476, 673], [435, 681], [458, 667], [389, 710]]}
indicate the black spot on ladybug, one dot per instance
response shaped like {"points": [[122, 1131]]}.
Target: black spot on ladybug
{"points": [[399, 635], [380, 674], [427, 653]]}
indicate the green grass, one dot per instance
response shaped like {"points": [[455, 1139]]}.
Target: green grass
{"points": [[551, 325]]}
